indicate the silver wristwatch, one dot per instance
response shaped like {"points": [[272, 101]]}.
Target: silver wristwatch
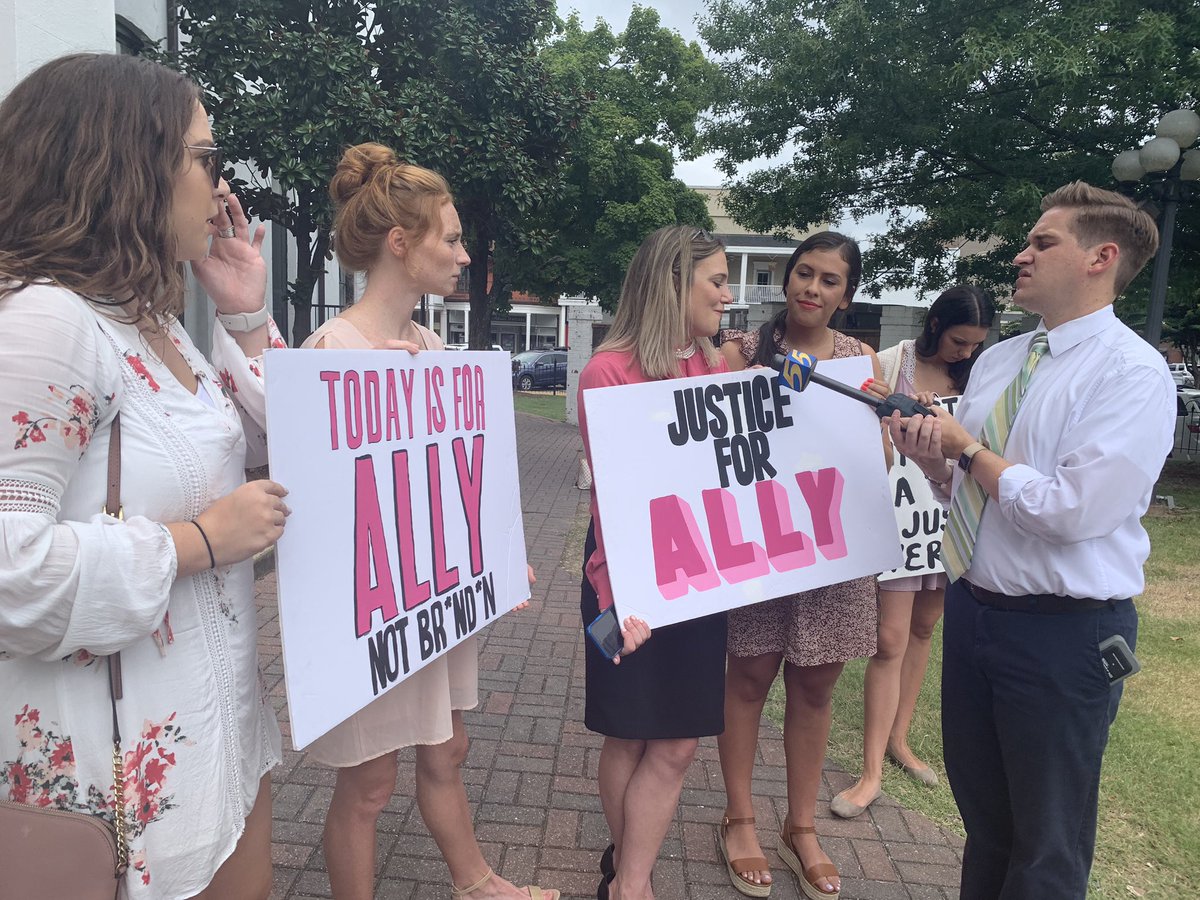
{"points": [[243, 322]]}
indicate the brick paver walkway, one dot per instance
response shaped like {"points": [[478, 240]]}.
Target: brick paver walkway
{"points": [[531, 771]]}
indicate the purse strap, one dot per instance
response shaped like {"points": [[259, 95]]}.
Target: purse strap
{"points": [[112, 507]]}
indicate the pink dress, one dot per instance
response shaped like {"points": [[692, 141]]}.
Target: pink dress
{"points": [[828, 624], [418, 710]]}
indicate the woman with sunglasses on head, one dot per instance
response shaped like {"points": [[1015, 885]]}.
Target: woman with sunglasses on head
{"points": [[397, 223], [657, 703], [112, 182], [938, 362], [811, 634]]}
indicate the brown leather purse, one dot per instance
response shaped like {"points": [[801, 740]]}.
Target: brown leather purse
{"points": [[51, 854]]}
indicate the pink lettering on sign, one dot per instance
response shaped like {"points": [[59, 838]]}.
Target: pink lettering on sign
{"points": [[370, 552], [435, 413], [681, 560], [371, 407], [415, 592], [789, 549], [353, 406], [470, 486], [737, 559], [468, 398], [444, 578], [331, 379], [822, 491]]}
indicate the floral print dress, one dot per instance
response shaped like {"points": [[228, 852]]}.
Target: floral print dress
{"points": [[197, 732]]}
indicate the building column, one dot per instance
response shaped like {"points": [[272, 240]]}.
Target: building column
{"points": [[742, 291], [562, 326], [528, 330]]}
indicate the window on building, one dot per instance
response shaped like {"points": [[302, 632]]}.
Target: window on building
{"points": [[131, 40]]}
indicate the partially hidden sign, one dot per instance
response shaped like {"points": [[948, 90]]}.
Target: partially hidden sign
{"points": [[920, 517], [724, 490], [406, 534]]}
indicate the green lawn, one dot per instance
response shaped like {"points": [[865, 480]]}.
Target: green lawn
{"points": [[1149, 835], [548, 406]]}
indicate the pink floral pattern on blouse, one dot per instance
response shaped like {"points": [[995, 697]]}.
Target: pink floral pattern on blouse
{"points": [[43, 774], [135, 362], [81, 415]]}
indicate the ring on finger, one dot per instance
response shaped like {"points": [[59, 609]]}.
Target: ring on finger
{"points": [[226, 232]]}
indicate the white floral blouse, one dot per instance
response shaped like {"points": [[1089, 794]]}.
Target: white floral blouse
{"points": [[197, 731]]}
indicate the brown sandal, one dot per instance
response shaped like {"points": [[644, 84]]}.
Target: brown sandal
{"points": [[735, 867], [808, 877]]}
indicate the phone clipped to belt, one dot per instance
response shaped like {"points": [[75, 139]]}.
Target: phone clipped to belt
{"points": [[1118, 660], [605, 632]]}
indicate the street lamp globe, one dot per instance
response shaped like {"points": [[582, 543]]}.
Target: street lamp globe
{"points": [[1190, 170], [1158, 154], [1128, 166], [1182, 126]]}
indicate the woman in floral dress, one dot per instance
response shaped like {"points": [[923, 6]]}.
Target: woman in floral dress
{"points": [[111, 181]]}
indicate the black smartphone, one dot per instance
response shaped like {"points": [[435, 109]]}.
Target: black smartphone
{"points": [[605, 632], [1118, 660]]}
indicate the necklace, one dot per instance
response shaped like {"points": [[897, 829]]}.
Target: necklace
{"points": [[687, 352]]}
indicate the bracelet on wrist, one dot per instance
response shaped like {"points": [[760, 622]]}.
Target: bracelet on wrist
{"points": [[212, 560], [243, 322], [949, 477]]}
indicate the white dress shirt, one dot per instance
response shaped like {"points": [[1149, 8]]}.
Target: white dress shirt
{"points": [[1088, 444]]}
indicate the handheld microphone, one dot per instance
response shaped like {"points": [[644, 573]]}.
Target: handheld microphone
{"points": [[797, 370]]}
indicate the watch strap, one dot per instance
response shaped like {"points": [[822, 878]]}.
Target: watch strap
{"points": [[243, 322], [968, 454]]}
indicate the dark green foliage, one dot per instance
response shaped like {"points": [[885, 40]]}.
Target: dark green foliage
{"points": [[951, 119]]}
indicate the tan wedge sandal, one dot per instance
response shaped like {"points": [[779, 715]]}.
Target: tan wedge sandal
{"points": [[735, 867], [808, 877]]}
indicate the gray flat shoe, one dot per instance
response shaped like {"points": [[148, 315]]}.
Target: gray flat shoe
{"points": [[922, 774], [845, 809]]}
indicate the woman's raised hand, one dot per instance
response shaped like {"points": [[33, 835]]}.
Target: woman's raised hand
{"points": [[245, 521], [234, 274]]}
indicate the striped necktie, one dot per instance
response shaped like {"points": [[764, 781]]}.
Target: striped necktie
{"points": [[966, 509]]}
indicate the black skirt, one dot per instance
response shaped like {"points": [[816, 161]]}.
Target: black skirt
{"points": [[672, 687]]}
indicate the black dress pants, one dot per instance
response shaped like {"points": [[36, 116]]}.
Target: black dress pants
{"points": [[1026, 708]]}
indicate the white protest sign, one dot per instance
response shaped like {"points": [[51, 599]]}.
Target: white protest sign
{"points": [[406, 534], [724, 490], [920, 517]]}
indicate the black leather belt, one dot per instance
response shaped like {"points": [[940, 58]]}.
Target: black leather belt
{"points": [[1036, 603]]}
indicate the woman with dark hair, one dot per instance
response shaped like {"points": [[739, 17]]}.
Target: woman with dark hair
{"points": [[937, 362], [112, 182], [655, 706], [811, 634]]}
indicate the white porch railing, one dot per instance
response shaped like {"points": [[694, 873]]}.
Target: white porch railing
{"points": [[757, 293]]}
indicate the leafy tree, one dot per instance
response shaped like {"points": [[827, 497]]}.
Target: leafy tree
{"points": [[646, 87], [450, 84], [477, 105], [950, 119], [289, 86]]}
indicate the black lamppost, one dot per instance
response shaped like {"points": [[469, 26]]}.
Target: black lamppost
{"points": [[1167, 165]]}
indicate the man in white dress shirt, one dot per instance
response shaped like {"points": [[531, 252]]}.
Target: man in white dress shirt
{"points": [[1058, 555]]}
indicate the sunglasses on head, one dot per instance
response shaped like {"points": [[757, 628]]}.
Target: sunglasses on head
{"points": [[702, 235], [212, 157]]}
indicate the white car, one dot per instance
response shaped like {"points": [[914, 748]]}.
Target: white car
{"points": [[467, 347], [1181, 374]]}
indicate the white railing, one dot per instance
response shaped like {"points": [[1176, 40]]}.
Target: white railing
{"points": [[757, 293]]}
